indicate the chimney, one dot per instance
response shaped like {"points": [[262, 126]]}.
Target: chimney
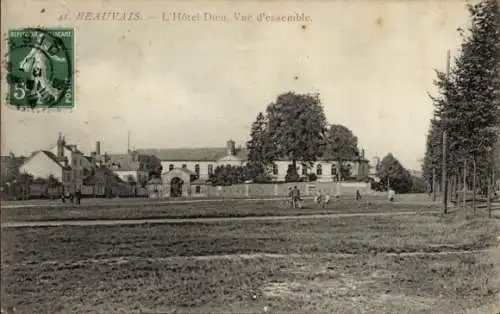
{"points": [[60, 146], [230, 148], [98, 148]]}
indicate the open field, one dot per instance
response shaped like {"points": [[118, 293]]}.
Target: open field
{"points": [[401, 264], [206, 209]]}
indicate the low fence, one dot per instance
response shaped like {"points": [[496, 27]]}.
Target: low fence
{"points": [[39, 191], [280, 189]]}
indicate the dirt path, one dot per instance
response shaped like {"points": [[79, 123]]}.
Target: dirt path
{"points": [[128, 259], [111, 202], [22, 224]]}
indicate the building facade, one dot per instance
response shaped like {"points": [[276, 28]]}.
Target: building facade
{"points": [[190, 168]]}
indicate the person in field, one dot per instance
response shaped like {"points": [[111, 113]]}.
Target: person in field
{"points": [[391, 194], [296, 197], [290, 196], [326, 199], [358, 195], [317, 197]]}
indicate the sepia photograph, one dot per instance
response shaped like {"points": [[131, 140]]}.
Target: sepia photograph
{"points": [[279, 156]]}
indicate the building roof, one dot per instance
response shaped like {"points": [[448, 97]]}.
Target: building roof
{"points": [[50, 155], [191, 154], [155, 181], [123, 162], [185, 170]]}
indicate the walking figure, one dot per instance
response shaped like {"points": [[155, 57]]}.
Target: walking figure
{"points": [[78, 196], [295, 197], [358, 195]]}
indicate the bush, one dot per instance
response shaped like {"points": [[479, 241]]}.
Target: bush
{"points": [[228, 175], [312, 177]]}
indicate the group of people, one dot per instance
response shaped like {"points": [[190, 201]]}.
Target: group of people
{"points": [[72, 197], [323, 199]]}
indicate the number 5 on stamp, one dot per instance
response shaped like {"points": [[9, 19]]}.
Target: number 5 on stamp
{"points": [[40, 68]]}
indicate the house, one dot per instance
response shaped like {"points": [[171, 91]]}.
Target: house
{"points": [[43, 164], [64, 162], [186, 170], [127, 167]]}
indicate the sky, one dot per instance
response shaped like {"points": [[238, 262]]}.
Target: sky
{"points": [[200, 83]]}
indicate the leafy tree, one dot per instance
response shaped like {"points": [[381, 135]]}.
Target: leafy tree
{"points": [[53, 181], [418, 185], [394, 175], [131, 180], [260, 150], [297, 128], [151, 164], [228, 175], [341, 146]]}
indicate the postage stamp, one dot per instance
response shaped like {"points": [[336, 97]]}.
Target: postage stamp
{"points": [[40, 68]]}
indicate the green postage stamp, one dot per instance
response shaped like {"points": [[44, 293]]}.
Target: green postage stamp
{"points": [[40, 68]]}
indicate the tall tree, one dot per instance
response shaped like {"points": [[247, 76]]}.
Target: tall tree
{"points": [[394, 175], [260, 150], [297, 128], [341, 146], [432, 160], [468, 104]]}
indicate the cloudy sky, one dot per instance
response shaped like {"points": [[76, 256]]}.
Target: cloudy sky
{"points": [[191, 84]]}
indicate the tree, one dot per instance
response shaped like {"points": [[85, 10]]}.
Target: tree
{"points": [[131, 180], [53, 181], [432, 159], [228, 175], [260, 150], [394, 175], [151, 164], [341, 146], [468, 106], [297, 128]]}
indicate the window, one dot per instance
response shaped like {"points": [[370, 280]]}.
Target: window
{"points": [[304, 170], [198, 189], [334, 170], [319, 170], [170, 167], [184, 166], [197, 169], [210, 170], [275, 169]]}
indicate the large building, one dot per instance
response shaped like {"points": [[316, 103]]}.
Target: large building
{"points": [[183, 166]]}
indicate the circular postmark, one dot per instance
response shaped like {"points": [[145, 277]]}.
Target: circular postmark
{"points": [[39, 68]]}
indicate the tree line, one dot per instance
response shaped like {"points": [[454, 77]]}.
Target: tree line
{"points": [[464, 130], [294, 128]]}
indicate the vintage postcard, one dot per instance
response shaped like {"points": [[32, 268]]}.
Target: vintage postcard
{"points": [[250, 156]]}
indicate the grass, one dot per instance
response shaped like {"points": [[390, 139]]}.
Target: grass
{"points": [[222, 208], [400, 264]]}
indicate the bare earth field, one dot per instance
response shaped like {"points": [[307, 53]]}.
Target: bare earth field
{"points": [[204, 209], [413, 263]]}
